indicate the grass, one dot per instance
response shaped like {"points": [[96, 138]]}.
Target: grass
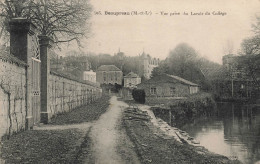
{"points": [[55, 146], [41, 146], [86, 113]]}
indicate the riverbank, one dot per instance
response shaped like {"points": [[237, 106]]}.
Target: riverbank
{"points": [[153, 145], [178, 112]]}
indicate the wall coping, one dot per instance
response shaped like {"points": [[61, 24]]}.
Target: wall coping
{"points": [[21, 24], [77, 80], [12, 59]]}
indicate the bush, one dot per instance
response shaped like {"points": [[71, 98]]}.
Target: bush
{"points": [[139, 95], [201, 104]]}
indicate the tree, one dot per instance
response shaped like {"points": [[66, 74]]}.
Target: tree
{"points": [[182, 62], [251, 46], [162, 68], [62, 20], [251, 50]]}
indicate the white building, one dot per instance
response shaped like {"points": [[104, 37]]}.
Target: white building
{"points": [[131, 80], [148, 64], [89, 76]]}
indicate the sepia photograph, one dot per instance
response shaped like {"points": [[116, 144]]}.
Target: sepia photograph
{"points": [[129, 82]]}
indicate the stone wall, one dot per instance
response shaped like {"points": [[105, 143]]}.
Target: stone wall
{"points": [[12, 95], [66, 94], [29, 93]]}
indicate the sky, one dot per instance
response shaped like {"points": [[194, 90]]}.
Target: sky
{"points": [[157, 34]]}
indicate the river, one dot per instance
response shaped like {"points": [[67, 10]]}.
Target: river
{"points": [[234, 131]]}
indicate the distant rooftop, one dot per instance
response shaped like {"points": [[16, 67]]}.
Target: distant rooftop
{"points": [[169, 78], [108, 68], [182, 80], [131, 75]]}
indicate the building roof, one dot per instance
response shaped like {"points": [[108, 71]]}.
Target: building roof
{"points": [[108, 68], [182, 80], [170, 79], [132, 75], [89, 72]]}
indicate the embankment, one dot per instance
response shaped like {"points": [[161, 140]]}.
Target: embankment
{"points": [[153, 145], [181, 111]]}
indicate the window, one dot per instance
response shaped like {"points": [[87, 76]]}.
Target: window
{"points": [[153, 90], [115, 76], [104, 75]]}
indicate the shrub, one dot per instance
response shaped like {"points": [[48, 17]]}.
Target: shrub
{"points": [[139, 95], [201, 104]]}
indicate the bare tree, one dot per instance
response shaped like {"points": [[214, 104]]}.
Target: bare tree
{"points": [[62, 20], [251, 46]]}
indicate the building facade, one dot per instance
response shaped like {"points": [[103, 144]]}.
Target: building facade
{"points": [[89, 76], [168, 86], [131, 80], [109, 74]]}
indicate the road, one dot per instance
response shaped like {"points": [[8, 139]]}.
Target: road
{"points": [[109, 141]]}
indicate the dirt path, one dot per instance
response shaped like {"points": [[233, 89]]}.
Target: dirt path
{"points": [[110, 144]]}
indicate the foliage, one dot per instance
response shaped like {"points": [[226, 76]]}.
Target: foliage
{"points": [[162, 68], [127, 63], [41, 146], [251, 49], [194, 106], [82, 114], [62, 20], [139, 95], [184, 62], [251, 46]]}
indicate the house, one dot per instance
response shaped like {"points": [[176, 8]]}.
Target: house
{"points": [[168, 86], [131, 80], [89, 76], [109, 74]]}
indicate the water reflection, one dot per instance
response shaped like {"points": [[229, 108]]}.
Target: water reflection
{"points": [[234, 131]]}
